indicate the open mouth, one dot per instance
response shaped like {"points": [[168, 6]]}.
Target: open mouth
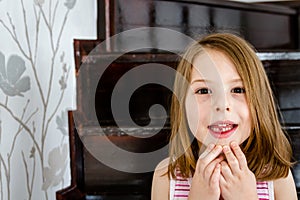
{"points": [[222, 129]]}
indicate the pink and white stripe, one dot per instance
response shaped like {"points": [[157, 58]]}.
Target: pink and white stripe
{"points": [[180, 188]]}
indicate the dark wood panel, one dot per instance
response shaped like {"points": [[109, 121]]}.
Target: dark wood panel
{"points": [[284, 76], [294, 134], [99, 177], [260, 24]]}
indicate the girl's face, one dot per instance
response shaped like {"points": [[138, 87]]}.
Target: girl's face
{"points": [[216, 107]]}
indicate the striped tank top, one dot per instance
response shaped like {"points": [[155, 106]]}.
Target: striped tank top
{"points": [[180, 188]]}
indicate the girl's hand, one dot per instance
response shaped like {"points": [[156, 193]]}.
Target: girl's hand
{"points": [[236, 181], [205, 183]]}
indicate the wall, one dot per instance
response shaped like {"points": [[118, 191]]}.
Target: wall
{"points": [[37, 87]]}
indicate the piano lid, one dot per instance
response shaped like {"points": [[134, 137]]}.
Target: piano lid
{"points": [[278, 55]]}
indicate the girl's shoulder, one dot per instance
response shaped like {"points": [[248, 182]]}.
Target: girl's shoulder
{"points": [[161, 171], [284, 188], [161, 182], [162, 166]]}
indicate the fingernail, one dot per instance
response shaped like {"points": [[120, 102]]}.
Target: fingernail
{"points": [[211, 146], [218, 147], [226, 149], [234, 144]]}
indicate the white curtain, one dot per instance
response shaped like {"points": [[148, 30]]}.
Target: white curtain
{"points": [[37, 87]]}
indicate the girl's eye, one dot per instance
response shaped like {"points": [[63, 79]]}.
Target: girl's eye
{"points": [[204, 91], [238, 90]]}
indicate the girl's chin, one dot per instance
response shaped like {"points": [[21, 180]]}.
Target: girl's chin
{"points": [[221, 142]]}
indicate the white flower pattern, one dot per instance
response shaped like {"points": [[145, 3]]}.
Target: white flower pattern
{"points": [[11, 82], [57, 161]]}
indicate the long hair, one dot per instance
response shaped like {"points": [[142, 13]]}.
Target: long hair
{"points": [[267, 150]]}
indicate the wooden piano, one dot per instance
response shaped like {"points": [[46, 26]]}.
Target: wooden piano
{"points": [[272, 28]]}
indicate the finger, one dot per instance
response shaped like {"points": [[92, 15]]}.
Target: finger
{"points": [[214, 153], [205, 160], [210, 154], [240, 156], [231, 159], [215, 177], [207, 150], [209, 157], [226, 171], [209, 170], [222, 179], [200, 164], [223, 185]]}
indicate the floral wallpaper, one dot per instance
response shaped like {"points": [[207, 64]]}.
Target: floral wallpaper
{"points": [[37, 87]]}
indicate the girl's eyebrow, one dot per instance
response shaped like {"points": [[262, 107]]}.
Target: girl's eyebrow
{"points": [[200, 80], [234, 80]]}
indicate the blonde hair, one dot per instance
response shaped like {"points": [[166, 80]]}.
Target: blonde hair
{"points": [[267, 149]]}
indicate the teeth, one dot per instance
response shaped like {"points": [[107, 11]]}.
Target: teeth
{"points": [[221, 127]]}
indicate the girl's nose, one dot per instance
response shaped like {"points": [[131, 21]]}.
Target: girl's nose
{"points": [[226, 108], [222, 102]]}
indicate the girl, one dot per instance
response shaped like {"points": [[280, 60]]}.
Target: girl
{"points": [[238, 149]]}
